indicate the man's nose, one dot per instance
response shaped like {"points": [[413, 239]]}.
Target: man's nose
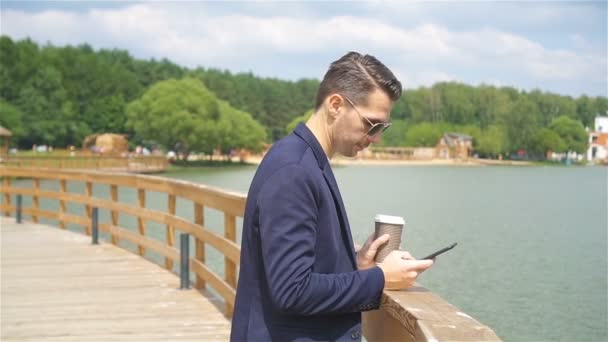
{"points": [[375, 138]]}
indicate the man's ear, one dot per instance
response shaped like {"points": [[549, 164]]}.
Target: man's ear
{"points": [[335, 104]]}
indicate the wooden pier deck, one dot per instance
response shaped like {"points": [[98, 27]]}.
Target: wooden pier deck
{"points": [[57, 286]]}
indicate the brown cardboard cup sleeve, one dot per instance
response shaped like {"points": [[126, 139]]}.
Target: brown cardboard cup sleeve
{"points": [[392, 225]]}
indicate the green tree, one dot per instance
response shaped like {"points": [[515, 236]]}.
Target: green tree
{"points": [[11, 118], [601, 106], [551, 106], [492, 141], [521, 125], [178, 114], [106, 114], [423, 135], [571, 132], [492, 105], [457, 101], [19, 61], [50, 115], [238, 130], [586, 111], [300, 119], [396, 135], [547, 139]]}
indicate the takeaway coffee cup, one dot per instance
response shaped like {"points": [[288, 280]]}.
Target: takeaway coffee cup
{"points": [[392, 225]]}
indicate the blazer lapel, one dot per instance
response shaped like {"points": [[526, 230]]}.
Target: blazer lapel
{"points": [[346, 235]]}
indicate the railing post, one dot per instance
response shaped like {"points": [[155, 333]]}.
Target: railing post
{"points": [[95, 225], [62, 206], [19, 204], [184, 268], [35, 202], [199, 219], [170, 234], [6, 183], [230, 266], [89, 193], [141, 224], [114, 195]]}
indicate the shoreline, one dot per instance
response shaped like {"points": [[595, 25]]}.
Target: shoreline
{"points": [[341, 161]]}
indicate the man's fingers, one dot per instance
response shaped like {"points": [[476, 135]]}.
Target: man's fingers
{"points": [[368, 242], [420, 265], [377, 243], [407, 256]]}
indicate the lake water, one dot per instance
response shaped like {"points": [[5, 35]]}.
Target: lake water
{"points": [[531, 260], [531, 255]]}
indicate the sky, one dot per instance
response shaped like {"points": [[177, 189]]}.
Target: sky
{"points": [[554, 46]]}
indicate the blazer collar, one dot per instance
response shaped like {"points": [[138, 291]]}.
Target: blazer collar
{"points": [[305, 134]]}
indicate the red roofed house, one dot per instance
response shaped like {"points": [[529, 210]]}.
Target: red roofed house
{"points": [[598, 140]]}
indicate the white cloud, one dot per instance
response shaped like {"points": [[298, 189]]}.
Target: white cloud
{"points": [[420, 54]]}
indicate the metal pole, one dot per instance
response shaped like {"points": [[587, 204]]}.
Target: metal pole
{"points": [[95, 225], [19, 207], [184, 269]]}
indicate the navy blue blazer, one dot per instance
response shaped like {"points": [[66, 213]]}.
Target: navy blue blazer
{"points": [[298, 278]]}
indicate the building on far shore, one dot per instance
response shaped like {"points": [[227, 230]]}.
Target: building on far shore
{"points": [[598, 141], [449, 146], [454, 146]]}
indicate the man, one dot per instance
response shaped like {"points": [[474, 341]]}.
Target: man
{"points": [[300, 278]]}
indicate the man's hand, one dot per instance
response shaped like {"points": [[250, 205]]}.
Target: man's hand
{"points": [[401, 270], [367, 253]]}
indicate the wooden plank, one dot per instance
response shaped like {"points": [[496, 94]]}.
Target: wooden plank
{"points": [[417, 314], [228, 248], [42, 173], [168, 252], [24, 191], [229, 202], [80, 220], [152, 183], [38, 212], [222, 287]]}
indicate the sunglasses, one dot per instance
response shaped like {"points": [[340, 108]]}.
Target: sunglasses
{"points": [[374, 128]]}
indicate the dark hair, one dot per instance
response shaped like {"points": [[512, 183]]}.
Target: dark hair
{"points": [[356, 76]]}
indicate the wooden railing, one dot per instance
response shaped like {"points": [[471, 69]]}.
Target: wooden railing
{"points": [[231, 204], [140, 164], [413, 315]]}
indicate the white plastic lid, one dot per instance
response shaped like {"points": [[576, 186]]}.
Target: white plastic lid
{"points": [[390, 219]]}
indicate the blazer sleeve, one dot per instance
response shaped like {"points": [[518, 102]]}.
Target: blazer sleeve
{"points": [[288, 218]]}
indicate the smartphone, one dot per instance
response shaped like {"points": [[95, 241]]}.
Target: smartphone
{"points": [[441, 251]]}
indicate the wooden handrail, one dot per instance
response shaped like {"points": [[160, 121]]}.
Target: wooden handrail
{"points": [[412, 315], [232, 204], [126, 163]]}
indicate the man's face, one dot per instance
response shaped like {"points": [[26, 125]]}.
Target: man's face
{"points": [[351, 127]]}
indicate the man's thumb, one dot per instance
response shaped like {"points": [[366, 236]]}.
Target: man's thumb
{"points": [[379, 242]]}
